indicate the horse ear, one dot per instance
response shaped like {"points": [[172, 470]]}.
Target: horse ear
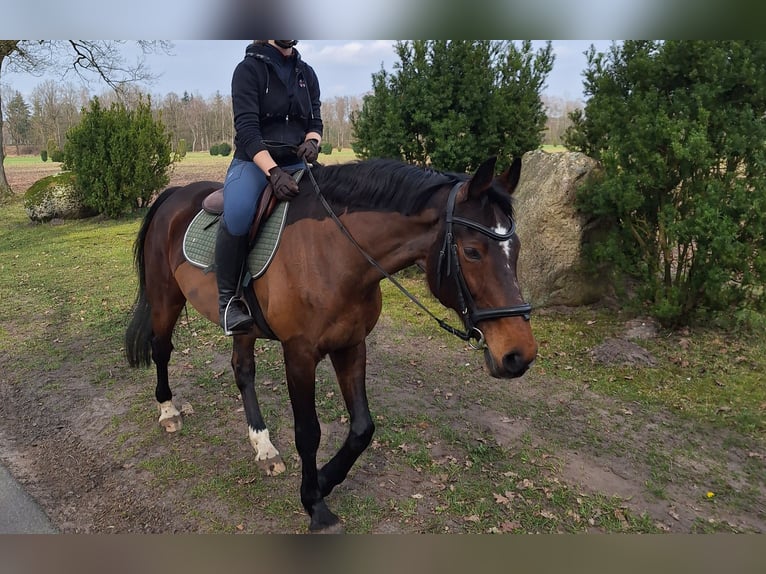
{"points": [[509, 179], [482, 179]]}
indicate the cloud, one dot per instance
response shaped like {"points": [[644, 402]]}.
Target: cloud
{"points": [[354, 53]]}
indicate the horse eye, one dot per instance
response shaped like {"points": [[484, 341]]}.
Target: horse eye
{"points": [[471, 253]]}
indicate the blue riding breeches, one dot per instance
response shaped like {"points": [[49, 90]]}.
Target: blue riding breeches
{"points": [[242, 189]]}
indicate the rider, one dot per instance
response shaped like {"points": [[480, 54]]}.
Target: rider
{"points": [[278, 124]]}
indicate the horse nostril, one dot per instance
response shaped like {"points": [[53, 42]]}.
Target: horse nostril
{"points": [[515, 364]]}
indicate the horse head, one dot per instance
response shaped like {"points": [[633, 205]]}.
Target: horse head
{"points": [[471, 268]]}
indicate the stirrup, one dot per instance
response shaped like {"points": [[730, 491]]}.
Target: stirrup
{"points": [[225, 324]]}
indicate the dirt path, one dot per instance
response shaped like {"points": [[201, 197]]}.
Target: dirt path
{"points": [[81, 453]]}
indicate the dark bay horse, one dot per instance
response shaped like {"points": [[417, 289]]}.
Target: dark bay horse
{"points": [[321, 295]]}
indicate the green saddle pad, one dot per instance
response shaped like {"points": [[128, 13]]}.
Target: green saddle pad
{"points": [[199, 241]]}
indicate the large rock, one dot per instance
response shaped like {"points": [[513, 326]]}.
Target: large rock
{"points": [[552, 232], [55, 197]]}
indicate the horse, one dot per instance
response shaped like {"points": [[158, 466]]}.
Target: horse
{"points": [[351, 226]]}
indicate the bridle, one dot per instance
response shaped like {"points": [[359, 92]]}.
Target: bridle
{"points": [[450, 264]]}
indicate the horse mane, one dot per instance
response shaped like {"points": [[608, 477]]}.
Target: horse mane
{"points": [[382, 184], [391, 185]]}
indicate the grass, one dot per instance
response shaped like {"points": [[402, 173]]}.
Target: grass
{"points": [[22, 161], [76, 279]]}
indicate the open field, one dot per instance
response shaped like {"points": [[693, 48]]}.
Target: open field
{"points": [[576, 445]]}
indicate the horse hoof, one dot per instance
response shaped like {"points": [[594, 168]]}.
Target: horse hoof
{"points": [[172, 424], [272, 466], [336, 528], [324, 521], [170, 417]]}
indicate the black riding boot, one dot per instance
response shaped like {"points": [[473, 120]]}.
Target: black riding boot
{"points": [[230, 254]]}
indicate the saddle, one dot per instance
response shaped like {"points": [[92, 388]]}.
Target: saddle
{"points": [[213, 204], [264, 236]]}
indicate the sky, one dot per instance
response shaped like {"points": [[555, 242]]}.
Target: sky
{"points": [[344, 67]]}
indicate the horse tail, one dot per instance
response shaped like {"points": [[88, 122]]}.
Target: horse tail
{"points": [[138, 335]]}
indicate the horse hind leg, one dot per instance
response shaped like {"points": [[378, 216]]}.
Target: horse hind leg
{"points": [[162, 346], [267, 457]]}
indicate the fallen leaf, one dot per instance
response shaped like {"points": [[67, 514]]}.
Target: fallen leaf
{"points": [[674, 514], [510, 526], [187, 409], [472, 518], [417, 496], [500, 499]]}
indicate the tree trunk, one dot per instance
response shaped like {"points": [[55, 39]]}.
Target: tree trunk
{"points": [[7, 47], [5, 189]]}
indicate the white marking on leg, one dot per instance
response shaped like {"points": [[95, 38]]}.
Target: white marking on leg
{"points": [[170, 418], [168, 411], [261, 442]]}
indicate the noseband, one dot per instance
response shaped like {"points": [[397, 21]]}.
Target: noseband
{"points": [[449, 265]]}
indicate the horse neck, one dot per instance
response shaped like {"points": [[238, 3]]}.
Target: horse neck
{"points": [[398, 241]]}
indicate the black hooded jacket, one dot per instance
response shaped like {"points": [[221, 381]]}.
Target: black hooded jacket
{"points": [[266, 109]]}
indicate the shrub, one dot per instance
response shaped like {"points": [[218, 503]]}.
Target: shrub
{"points": [[326, 148], [224, 149], [120, 156], [51, 149], [679, 129], [214, 150], [44, 155], [181, 150]]}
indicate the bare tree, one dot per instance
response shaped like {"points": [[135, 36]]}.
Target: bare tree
{"points": [[87, 59], [336, 115]]}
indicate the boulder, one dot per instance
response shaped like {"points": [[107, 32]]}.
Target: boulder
{"points": [[55, 197], [552, 232]]}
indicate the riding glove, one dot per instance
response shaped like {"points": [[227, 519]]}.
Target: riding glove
{"points": [[285, 187], [309, 150]]}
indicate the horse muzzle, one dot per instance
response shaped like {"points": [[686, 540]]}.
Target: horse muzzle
{"points": [[513, 365]]}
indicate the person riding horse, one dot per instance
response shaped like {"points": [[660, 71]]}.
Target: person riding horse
{"points": [[278, 125]]}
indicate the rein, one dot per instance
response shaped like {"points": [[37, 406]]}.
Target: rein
{"points": [[470, 314]]}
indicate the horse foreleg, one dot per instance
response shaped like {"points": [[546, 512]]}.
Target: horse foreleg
{"points": [[243, 363], [350, 369], [300, 367]]}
